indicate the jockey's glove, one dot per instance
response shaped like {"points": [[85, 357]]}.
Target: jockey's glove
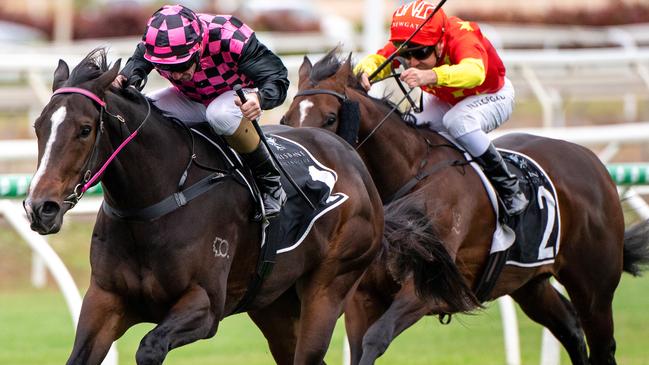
{"points": [[137, 80], [371, 63]]}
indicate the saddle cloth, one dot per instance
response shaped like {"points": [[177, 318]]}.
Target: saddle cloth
{"points": [[539, 229], [534, 239], [315, 179]]}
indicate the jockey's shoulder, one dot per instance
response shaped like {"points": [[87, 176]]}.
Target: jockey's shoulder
{"points": [[457, 24]]}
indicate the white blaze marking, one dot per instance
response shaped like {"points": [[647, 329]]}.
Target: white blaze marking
{"points": [[57, 118], [305, 105]]}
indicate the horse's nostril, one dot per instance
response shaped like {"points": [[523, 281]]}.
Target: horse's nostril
{"points": [[50, 208]]}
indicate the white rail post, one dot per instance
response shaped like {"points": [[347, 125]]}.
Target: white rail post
{"points": [[510, 330], [15, 215]]}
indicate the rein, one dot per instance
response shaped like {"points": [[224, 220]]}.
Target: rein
{"points": [[163, 207], [421, 174], [342, 98], [87, 180]]}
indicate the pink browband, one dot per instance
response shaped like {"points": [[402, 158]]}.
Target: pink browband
{"points": [[78, 90]]}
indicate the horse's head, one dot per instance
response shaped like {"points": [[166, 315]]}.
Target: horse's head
{"points": [[323, 97], [67, 131]]}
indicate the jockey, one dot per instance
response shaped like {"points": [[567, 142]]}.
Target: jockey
{"points": [[466, 93], [204, 56]]}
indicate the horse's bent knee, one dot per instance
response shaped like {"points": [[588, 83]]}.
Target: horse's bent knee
{"points": [[150, 355]]}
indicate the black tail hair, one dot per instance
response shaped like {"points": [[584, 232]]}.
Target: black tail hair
{"points": [[413, 247], [636, 248]]}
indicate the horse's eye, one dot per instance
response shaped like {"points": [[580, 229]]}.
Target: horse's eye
{"points": [[331, 119], [85, 131]]}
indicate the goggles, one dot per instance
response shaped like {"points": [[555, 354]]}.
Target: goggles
{"points": [[419, 53], [177, 67]]}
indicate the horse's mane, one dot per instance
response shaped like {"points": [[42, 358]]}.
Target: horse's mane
{"points": [[330, 64], [91, 67], [94, 65]]}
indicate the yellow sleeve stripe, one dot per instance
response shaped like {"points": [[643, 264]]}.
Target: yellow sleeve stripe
{"points": [[370, 64], [467, 74]]}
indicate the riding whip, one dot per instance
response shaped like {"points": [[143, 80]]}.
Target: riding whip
{"points": [[402, 45], [237, 89]]}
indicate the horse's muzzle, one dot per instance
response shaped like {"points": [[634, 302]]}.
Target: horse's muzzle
{"points": [[45, 216]]}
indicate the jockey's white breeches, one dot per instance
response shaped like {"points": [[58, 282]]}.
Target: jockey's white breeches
{"points": [[484, 112], [468, 121], [223, 115]]}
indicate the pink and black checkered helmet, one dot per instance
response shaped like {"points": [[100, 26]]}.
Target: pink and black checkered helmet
{"points": [[173, 35]]}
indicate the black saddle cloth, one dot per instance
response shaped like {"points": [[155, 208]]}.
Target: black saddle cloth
{"points": [[538, 228]]}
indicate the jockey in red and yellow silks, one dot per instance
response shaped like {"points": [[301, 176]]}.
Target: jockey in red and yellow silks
{"points": [[466, 93], [468, 65]]}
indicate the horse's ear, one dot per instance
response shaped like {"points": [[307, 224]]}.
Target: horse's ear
{"points": [[61, 75], [105, 80], [305, 69], [345, 71], [348, 64]]}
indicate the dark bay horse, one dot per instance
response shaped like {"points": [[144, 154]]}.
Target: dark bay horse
{"points": [[594, 250], [188, 269]]}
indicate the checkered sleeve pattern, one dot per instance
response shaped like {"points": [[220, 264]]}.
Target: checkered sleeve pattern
{"points": [[223, 44]]}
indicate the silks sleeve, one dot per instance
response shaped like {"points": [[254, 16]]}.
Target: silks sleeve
{"points": [[467, 74], [372, 62]]}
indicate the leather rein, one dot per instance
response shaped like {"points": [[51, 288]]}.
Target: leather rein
{"points": [[165, 206], [421, 174]]}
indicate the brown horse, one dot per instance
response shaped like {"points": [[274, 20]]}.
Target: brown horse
{"points": [[595, 248], [188, 269]]}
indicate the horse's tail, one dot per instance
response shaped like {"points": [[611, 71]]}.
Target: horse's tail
{"points": [[413, 247], [636, 248]]}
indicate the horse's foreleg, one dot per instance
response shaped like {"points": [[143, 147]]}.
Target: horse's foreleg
{"points": [[322, 304], [102, 320], [323, 292], [279, 322], [361, 311], [406, 309], [189, 319], [546, 306]]}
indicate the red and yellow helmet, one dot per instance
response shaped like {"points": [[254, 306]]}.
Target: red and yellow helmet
{"points": [[408, 17]]}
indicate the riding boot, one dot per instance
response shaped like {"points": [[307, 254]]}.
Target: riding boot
{"points": [[248, 144], [505, 183], [267, 176]]}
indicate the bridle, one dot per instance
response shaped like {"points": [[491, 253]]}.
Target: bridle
{"points": [[88, 178], [342, 98]]}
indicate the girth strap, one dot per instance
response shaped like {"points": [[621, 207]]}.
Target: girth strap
{"points": [[169, 204]]}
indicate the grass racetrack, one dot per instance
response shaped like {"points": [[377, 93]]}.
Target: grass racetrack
{"points": [[36, 328]]}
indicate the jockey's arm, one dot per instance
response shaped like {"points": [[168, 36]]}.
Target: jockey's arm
{"points": [[371, 63], [137, 68], [267, 72], [467, 74]]}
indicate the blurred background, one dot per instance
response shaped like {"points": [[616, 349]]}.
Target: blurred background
{"points": [[581, 73]]}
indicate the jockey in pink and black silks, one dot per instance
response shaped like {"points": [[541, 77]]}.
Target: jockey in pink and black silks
{"points": [[204, 56], [465, 91]]}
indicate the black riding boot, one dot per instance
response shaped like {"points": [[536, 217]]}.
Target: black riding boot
{"points": [[505, 183], [267, 176]]}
